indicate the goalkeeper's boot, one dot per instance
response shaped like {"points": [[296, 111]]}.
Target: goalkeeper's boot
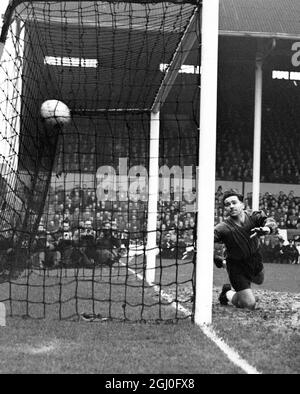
{"points": [[222, 297]]}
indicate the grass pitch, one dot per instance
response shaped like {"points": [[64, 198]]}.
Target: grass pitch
{"points": [[268, 337], [119, 293]]}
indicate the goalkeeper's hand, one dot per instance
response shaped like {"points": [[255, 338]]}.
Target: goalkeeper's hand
{"points": [[259, 231]]}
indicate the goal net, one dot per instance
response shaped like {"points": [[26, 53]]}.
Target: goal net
{"points": [[98, 216]]}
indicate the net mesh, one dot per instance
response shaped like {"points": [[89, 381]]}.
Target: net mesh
{"points": [[74, 199]]}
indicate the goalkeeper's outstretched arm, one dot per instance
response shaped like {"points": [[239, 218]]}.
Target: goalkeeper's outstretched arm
{"points": [[269, 227]]}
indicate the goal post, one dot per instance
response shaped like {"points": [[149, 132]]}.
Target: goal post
{"points": [[207, 162], [152, 197]]}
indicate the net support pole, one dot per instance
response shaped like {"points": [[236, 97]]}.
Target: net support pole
{"points": [[152, 196], [257, 132], [207, 162], [1, 49], [2, 315]]}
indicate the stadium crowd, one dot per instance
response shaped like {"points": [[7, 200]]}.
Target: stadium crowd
{"points": [[178, 146], [175, 219], [178, 143]]}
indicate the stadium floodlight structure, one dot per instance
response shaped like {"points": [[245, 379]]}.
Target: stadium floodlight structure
{"points": [[121, 67]]}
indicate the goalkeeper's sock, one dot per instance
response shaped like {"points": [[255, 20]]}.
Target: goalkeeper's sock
{"points": [[229, 295]]}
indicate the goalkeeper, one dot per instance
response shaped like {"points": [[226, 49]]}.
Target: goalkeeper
{"points": [[240, 233]]}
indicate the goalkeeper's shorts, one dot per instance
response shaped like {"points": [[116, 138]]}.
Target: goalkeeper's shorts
{"points": [[245, 271]]}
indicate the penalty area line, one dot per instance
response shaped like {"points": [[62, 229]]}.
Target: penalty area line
{"points": [[208, 331]]}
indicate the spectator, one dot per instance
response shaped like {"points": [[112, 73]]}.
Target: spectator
{"points": [[291, 253], [297, 244], [168, 247], [266, 249]]}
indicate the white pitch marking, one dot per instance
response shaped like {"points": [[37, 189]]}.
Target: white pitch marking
{"points": [[40, 349], [230, 353], [32, 349]]}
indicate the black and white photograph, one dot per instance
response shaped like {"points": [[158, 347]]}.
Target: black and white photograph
{"points": [[150, 190]]}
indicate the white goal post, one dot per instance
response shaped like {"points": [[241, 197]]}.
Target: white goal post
{"points": [[207, 162]]}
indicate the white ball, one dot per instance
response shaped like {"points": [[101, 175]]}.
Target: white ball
{"points": [[55, 112]]}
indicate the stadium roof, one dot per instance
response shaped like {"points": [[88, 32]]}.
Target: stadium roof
{"points": [[260, 18]]}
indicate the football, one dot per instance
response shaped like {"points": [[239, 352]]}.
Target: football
{"points": [[55, 113]]}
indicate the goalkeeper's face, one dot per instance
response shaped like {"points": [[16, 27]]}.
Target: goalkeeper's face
{"points": [[233, 206]]}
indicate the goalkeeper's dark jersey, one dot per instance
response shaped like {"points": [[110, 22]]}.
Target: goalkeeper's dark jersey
{"points": [[239, 245]]}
